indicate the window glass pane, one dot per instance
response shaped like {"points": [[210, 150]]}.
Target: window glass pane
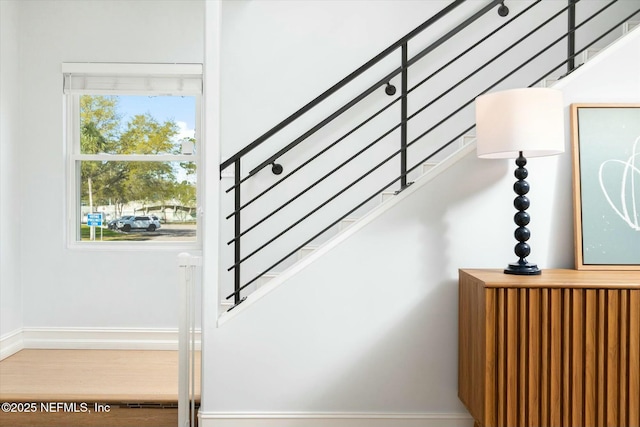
{"points": [[138, 201], [136, 124]]}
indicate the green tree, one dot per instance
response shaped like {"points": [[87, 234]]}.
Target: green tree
{"points": [[99, 124], [185, 193], [145, 135], [100, 113], [120, 182], [148, 181]]}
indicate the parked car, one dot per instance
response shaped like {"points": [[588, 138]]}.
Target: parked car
{"points": [[113, 224], [144, 222]]}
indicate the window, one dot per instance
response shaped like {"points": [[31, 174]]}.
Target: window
{"points": [[133, 152]]}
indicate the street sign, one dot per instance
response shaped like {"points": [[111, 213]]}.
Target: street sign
{"points": [[94, 219]]}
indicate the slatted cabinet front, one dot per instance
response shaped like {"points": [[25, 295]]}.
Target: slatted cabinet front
{"points": [[561, 349]]}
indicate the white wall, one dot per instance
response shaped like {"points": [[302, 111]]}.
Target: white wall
{"points": [[367, 335], [70, 288], [10, 290]]}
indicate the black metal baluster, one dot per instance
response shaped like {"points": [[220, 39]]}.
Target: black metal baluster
{"points": [[571, 39], [237, 231], [403, 118]]}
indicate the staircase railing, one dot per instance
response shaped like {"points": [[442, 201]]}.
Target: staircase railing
{"points": [[456, 122]]}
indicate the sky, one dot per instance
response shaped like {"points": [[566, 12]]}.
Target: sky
{"points": [[181, 109]]}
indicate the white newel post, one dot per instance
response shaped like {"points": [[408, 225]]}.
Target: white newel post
{"points": [[186, 339]]}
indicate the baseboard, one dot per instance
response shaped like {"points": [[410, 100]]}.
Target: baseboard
{"points": [[11, 343], [304, 419], [92, 338]]}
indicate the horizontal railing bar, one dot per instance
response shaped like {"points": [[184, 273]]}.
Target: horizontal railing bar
{"points": [[387, 106], [387, 133], [274, 157], [576, 54], [506, 76], [373, 88], [316, 209], [438, 98], [235, 265], [324, 150], [476, 44], [292, 199], [347, 161], [327, 120], [366, 93], [540, 52], [445, 11], [446, 92], [348, 186], [376, 193], [317, 127], [509, 74], [314, 237], [453, 32], [434, 100]]}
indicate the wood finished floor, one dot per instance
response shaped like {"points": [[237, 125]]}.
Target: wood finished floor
{"points": [[92, 375]]}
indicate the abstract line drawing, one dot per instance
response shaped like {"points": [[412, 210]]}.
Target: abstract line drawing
{"points": [[606, 182], [625, 208]]}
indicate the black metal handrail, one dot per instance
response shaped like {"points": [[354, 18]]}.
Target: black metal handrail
{"points": [[405, 169], [405, 65], [401, 43], [404, 96], [342, 83]]}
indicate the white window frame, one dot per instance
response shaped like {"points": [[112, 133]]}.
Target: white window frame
{"points": [[127, 79]]}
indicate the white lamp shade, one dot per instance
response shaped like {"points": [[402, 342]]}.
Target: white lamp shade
{"points": [[530, 120]]}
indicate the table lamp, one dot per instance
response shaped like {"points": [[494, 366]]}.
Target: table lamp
{"points": [[520, 123]]}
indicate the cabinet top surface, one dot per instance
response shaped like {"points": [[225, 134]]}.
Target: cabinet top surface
{"points": [[494, 278]]}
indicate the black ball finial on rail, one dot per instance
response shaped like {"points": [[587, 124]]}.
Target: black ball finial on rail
{"points": [[276, 168], [503, 10], [390, 89]]}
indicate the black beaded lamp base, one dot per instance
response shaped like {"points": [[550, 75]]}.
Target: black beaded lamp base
{"points": [[524, 268], [522, 218]]}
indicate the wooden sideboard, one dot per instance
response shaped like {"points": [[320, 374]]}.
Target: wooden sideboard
{"points": [[558, 349]]}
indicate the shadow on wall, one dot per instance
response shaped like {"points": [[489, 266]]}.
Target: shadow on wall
{"points": [[476, 207], [410, 363], [560, 251]]}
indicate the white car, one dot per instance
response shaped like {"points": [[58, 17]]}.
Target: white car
{"points": [[144, 222]]}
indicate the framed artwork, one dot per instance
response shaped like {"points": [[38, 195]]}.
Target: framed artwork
{"points": [[606, 185]]}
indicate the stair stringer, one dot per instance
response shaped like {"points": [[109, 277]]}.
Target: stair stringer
{"points": [[336, 240]]}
